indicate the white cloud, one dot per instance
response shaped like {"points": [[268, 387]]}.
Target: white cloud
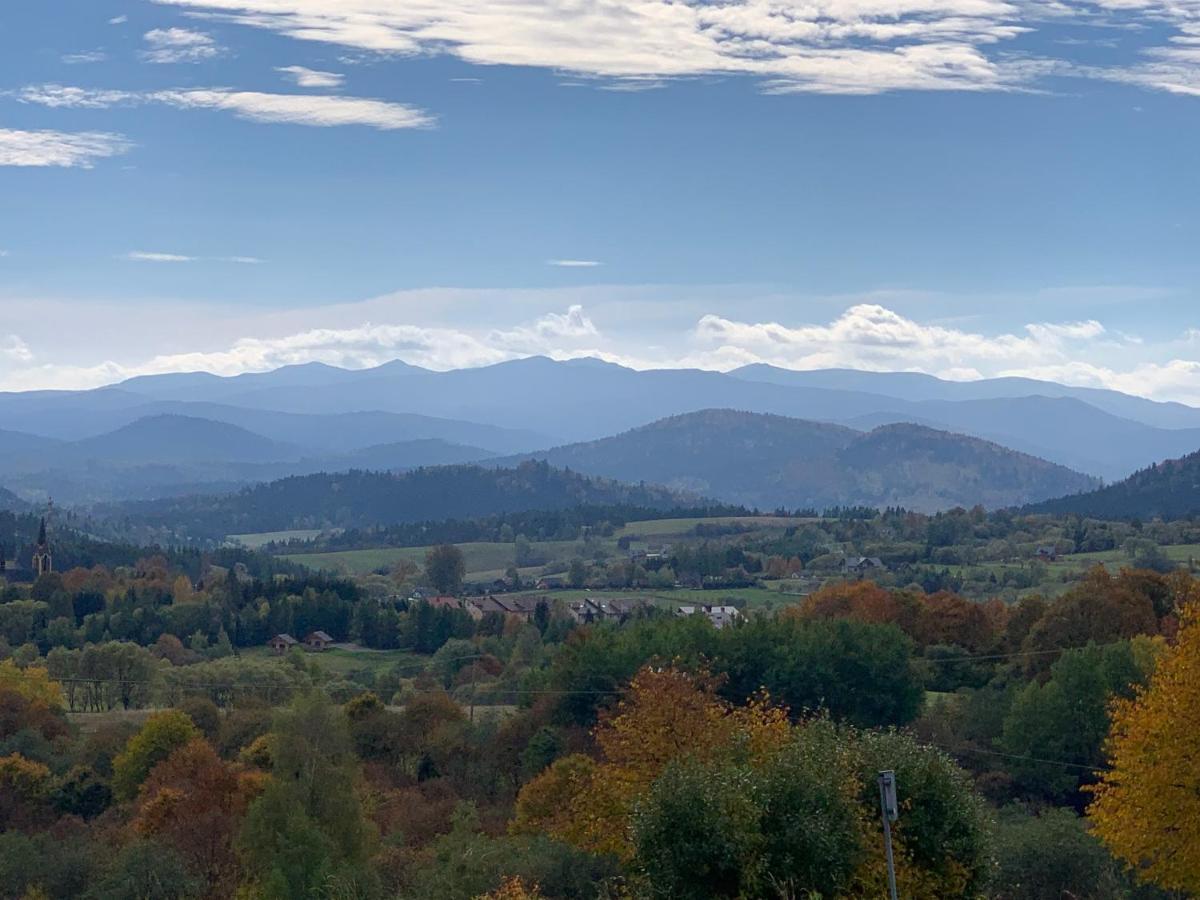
{"points": [[179, 45], [89, 56], [873, 337], [13, 349], [255, 106], [118, 20], [312, 78], [300, 109], [59, 148], [821, 46], [149, 256], [573, 263], [832, 46]]}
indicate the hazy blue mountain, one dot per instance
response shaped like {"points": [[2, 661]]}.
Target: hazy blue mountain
{"points": [[918, 386], [17, 443], [576, 399], [328, 433], [1168, 490], [769, 461], [1061, 429], [168, 455], [177, 439], [360, 499], [526, 404], [10, 502], [400, 455]]}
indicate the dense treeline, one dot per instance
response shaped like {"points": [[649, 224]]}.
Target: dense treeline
{"points": [[360, 499], [541, 525], [1167, 490]]}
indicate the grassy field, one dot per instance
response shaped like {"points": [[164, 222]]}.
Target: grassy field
{"points": [[261, 539], [482, 559], [91, 722], [341, 661]]}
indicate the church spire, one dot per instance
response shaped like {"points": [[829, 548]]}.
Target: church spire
{"points": [[43, 562]]}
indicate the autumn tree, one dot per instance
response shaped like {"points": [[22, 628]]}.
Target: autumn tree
{"points": [[194, 801], [445, 568], [1147, 806], [163, 734]]}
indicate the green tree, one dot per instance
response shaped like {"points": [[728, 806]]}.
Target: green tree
{"points": [[163, 734], [146, 870], [1051, 856], [308, 825], [1066, 719], [445, 568]]}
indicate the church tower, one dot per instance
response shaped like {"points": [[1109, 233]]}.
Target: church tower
{"points": [[43, 562]]}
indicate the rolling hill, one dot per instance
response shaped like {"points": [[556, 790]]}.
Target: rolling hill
{"points": [[770, 461], [1168, 490], [360, 499]]}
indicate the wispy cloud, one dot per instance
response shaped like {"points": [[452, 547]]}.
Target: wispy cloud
{"points": [[157, 257], [59, 148], [149, 256], [179, 45], [89, 56], [312, 78], [321, 110], [13, 349], [118, 20], [573, 263]]}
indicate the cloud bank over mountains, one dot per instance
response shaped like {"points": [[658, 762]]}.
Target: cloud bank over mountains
{"points": [[864, 336]]}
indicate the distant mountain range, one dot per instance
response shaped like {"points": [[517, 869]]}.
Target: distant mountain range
{"points": [[166, 455], [769, 461], [83, 446], [362, 499], [1168, 490]]}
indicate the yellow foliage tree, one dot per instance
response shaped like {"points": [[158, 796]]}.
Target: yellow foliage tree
{"points": [[33, 683], [666, 713], [1147, 808]]}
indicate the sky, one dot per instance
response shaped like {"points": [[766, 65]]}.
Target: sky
{"points": [[968, 188]]}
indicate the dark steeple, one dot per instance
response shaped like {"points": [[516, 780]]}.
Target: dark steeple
{"points": [[43, 563]]}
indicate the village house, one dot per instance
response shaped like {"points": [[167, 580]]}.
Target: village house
{"points": [[1047, 554], [318, 641], [861, 565], [720, 616], [282, 643]]}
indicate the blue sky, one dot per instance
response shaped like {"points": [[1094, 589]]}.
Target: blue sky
{"points": [[967, 187]]}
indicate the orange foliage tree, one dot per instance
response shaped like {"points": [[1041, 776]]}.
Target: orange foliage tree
{"points": [[665, 714], [195, 802], [1147, 807]]}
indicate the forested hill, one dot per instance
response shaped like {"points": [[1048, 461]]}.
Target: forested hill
{"points": [[359, 499], [768, 461], [1168, 490], [11, 502]]}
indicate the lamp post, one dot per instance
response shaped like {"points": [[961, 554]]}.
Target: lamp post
{"points": [[891, 812]]}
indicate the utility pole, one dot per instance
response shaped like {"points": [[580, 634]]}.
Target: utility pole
{"points": [[891, 812]]}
